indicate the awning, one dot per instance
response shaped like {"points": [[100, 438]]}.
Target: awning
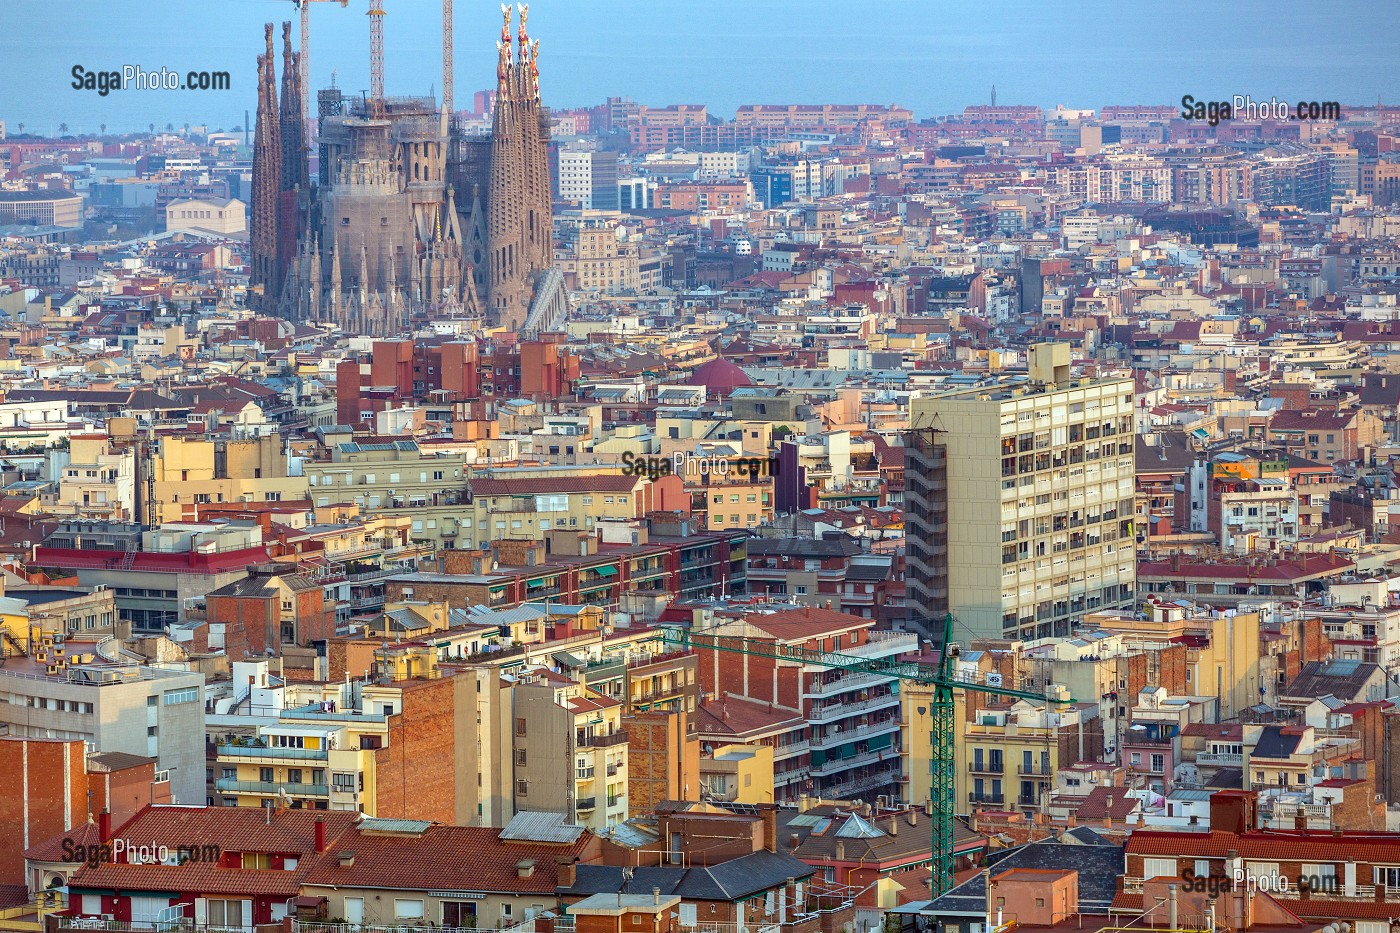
{"points": [[538, 581], [605, 571], [308, 900], [564, 659]]}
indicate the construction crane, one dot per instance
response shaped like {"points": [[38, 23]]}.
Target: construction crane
{"points": [[376, 56], [446, 63], [304, 68], [944, 681]]}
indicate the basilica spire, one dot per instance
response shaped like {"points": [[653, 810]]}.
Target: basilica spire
{"points": [[266, 273]]}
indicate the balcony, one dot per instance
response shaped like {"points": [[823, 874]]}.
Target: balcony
{"points": [[602, 741], [586, 803], [980, 799], [836, 711], [1041, 769], [837, 765], [791, 750], [995, 766], [270, 788], [258, 753], [849, 682], [846, 789], [1221, 759], [846, 736]]}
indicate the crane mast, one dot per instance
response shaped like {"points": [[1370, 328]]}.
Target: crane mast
{"points": [[304, 66], [447, 61], [376, 56]]}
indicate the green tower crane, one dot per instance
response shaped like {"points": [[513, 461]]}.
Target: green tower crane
{"points": [[944, 681]]}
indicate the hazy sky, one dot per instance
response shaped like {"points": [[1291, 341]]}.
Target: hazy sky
{"points": [[935, 56]]}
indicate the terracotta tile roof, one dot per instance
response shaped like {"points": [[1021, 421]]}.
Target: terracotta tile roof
{"points": [[450, 858], [1265, 844], [234, 830], [237, 829], [734, 717], [1107, 802], [798, 625], [484, 487], [52, 850], [198, 877]]}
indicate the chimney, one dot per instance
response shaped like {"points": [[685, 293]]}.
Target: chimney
{"points": [[840, 850], [1171, 908], [525, 868], [770, 828], [320, 836], [894, 826], [1300, 821], [568, 874], [794, 841], [656, 896], [913, 817], [104, 826]]}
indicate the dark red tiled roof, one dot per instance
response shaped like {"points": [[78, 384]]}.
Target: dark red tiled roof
{"points": [[448, 858], [486, 487]]}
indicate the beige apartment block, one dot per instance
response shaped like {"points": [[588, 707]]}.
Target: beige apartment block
{"points": [[189, 472], [1020, 501], [570, 751]]}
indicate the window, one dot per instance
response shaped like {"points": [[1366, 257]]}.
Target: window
{"points": [[266, 776], [458, 914], [1158, 868], [187, 695], [521, 789], [408, 908], [225, 913]]}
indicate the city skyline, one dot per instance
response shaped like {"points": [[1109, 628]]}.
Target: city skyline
{"points": [[876, 53]]}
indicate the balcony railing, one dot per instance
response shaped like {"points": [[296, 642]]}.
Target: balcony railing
{"points": [[254, 752], [841, 710], [231, 786], [976, 799], [1040, 769], [986, 767], [1220, 758], [602, 741], [837, 765], [586, 803]]}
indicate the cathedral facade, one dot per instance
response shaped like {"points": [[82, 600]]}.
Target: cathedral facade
{"points": [[409, 219]]}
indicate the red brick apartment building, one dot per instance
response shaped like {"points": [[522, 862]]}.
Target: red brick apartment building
{"points": [[1316, 876]]}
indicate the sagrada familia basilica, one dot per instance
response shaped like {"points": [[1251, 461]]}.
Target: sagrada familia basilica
{"points": [[409, 218]]}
